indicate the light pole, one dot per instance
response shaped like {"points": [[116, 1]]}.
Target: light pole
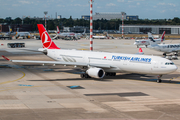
{"points": [[22, 19], [91, 25], [122, 24], [45, 17]]}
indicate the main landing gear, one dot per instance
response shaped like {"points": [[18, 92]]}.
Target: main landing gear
{"points": [[110, 74], [159, 79], [171, 57], [84, 75]]}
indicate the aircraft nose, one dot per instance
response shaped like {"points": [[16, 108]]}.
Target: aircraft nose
{"points": [[174, 68]]}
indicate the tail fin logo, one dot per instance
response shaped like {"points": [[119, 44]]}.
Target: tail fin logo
{"points": [[58, 31], [46, 40], [162, 37]]}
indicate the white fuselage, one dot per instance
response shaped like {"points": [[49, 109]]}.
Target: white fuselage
{"points": [[63, 35], [146, 42], [130, 63], [99, 37], [23, 34], [167, 48]]}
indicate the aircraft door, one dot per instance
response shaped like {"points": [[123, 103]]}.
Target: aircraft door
{"points": [[155, 64], [86, 59], [124, 62]]}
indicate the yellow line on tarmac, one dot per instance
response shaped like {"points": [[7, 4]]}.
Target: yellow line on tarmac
{"points": [[13, 80]]}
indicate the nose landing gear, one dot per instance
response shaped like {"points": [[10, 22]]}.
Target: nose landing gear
{"points": [[159, 79]]}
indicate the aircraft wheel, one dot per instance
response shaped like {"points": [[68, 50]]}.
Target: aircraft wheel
{"points": [[107, 74], [114, 74], [159, 80], [111, 74], [86, 76], [82, 75]]}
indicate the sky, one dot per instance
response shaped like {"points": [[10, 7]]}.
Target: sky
{"points": [[145, 9]]}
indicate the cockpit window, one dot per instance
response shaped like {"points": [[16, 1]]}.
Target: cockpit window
{"points": [[169, 63]]}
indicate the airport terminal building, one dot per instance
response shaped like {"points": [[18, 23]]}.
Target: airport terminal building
{"points": [[109, 16], [155, 29]]}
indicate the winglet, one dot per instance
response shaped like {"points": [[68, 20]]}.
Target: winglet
{"points": [[140, 52], [6, 58]]}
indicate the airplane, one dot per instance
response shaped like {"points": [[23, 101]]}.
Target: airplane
{"points": [[65, 35], [147, 42], [166, 49], [10, 34], [98, 64], [22, 34], [99, 37], [79, 35]]}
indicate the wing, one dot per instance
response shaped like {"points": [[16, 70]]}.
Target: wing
{"points": [[61, 63]]}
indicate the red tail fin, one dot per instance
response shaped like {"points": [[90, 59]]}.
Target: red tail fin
{"points": [[45, 38], [58, 31], [162, 37]]}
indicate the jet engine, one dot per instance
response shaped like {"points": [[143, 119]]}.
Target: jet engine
{"points": [[96, 72]]}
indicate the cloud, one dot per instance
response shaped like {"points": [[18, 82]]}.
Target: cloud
{"points": [[15, 5], [120, 0], [79, 5], [134, 1], [163, 11], [25, 2], [171, 4], [111, 4], [167, 4], [60, 5], [99, 7]]}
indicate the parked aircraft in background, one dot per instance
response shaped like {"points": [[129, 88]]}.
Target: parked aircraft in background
{"points": [[166, 49], [23, 35], [65, 35], [99, 37], [10, 34], [79, 35], [147, 42], [99, 64]]}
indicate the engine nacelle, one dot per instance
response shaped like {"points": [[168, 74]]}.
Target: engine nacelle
{"points": [[95, 72]]}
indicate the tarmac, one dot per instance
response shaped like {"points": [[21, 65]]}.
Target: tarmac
{"points": [[46, 92]]}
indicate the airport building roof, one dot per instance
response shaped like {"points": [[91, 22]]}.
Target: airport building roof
{"points": [[156, 29], [109, 16]]}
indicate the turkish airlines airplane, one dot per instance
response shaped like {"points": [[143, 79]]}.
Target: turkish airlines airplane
{"points": [[147, 42], [99, 64]]}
